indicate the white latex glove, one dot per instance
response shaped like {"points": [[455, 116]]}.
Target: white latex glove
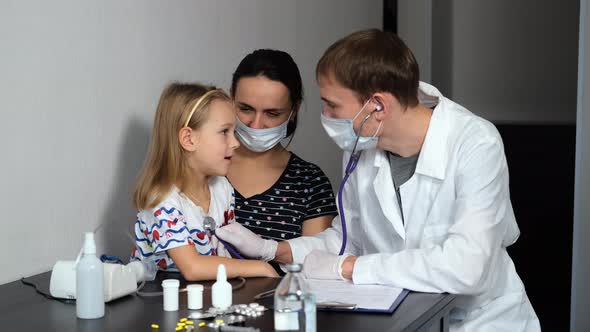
{"points": [[219, 247], [246, 242], [320, 264]]}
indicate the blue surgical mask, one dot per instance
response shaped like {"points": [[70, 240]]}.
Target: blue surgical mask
{"points": [[342, 133], [261, 140]]}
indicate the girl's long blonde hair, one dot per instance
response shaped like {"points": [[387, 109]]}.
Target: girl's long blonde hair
{"points": [[165, 163]]}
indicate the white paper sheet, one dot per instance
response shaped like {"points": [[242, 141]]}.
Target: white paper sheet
{"points": [[371, 297]]}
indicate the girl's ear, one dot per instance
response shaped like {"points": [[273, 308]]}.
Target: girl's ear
{"points": [[187, 139]]}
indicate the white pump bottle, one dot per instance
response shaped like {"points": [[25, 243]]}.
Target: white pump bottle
{"points": [[89, 282]]}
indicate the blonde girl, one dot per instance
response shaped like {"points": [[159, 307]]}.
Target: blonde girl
{"points": [[183, 182]]}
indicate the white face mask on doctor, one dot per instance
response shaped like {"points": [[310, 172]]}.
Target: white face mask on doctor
{"points": [[261, 140], [342, 131]]}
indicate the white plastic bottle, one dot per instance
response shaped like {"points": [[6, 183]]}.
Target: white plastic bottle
{"points": [[221, 296], [89, 282]]}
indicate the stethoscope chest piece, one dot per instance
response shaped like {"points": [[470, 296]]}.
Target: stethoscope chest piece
{"points": [[209, 225]]}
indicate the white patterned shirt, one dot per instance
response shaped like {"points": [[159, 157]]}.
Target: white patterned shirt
{"points": [[177, 221]]}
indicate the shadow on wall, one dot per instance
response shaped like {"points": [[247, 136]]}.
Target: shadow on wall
{"points": [[119, 215]]}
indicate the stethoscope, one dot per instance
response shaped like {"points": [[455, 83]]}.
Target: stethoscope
{"points": [[350, 166], [209, 225]]}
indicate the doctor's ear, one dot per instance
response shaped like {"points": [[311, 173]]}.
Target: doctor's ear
{"points": [[380, 109], [187, 137], [378, 106], [378, 100]]}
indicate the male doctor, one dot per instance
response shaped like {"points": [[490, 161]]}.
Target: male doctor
{"points": [[427, 207]]}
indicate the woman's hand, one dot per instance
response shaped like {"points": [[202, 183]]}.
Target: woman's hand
{"points": [[246, 242]]}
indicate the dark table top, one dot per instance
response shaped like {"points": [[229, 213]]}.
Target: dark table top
{"points": [[22, 309]]}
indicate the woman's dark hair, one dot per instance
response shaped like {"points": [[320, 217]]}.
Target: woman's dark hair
{"points": [[276, 66]]}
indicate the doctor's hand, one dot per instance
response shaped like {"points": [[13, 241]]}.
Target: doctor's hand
{"points": [[324, 265], [220, 249], [246, 242]]}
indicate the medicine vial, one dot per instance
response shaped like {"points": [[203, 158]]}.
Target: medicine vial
{"points": [[170, 287], [221, 291], [89, 282], [195, 296]]}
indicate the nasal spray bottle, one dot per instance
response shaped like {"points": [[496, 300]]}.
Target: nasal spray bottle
{"points": [[221, 290], [89, 282]]}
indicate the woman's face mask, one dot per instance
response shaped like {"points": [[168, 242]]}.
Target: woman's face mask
{"points": [[261, 140], [342, 133]]}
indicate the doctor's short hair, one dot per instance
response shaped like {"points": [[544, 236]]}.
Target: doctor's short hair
{"points": [[181, 105], [370, 61]]}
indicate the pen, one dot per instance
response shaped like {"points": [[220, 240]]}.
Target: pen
{"points": [[335, 305]]}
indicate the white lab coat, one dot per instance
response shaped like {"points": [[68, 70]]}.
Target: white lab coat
{"points": [[459, 221]]}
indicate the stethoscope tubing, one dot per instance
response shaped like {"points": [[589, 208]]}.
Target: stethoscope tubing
{"points": [[350, 167]]}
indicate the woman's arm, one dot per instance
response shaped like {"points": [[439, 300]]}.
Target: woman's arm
{"points": [[194, 267], [316, 225]]}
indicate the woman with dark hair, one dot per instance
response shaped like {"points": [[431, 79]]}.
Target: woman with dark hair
{"points": [[278, 195]]}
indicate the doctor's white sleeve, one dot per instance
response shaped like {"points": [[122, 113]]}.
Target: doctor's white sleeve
{"points": [[330, 239], [466, 262]]}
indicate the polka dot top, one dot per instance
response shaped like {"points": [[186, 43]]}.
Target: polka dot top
{"points": [[302, 192]]}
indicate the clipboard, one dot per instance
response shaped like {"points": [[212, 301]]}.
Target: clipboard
{"points": [[348, 307], [340, 295]]}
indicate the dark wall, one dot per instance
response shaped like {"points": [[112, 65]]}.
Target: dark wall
{"points": [[390, 15], [541, 161]]}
